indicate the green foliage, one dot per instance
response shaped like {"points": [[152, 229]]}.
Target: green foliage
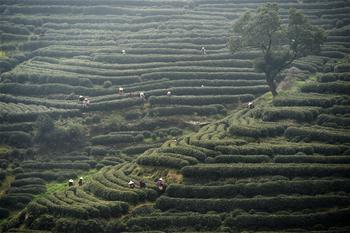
{"points": [[52, 165], [162, 161], [59, 137], [47, 89], [16, 138], [216, 171], [296, 113], [266, 204], [282, 221], [4, 213], [107, 84], [199, 100], [326, 120], [207, 221], [311, 159], [332, 77], [331, 87], [302, 187], [266, 149], [304, 100], [112, 139], [317, 134], [258, 130], [241, 159], [211, 144], [186, 150], [263, 30], [187, 110]]}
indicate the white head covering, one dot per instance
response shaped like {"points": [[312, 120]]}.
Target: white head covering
{"points": [[131, 182], [161, 179], [71, 180], [81, 178]]}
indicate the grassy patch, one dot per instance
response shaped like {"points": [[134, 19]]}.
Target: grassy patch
{"points": [[2, 54], [4, 150], [53, 187], [5, 184]]}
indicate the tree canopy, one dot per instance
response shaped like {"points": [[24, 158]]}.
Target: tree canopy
{"points": [[279, 44]]}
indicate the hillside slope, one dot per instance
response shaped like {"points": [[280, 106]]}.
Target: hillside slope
{"points": [[281, 166]]}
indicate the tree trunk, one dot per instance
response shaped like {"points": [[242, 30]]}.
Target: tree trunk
{"points": [[272, 86]]}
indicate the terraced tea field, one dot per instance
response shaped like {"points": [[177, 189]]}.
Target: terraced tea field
{"points": [[160, 106]]}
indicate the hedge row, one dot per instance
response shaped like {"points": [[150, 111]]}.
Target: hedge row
{"points": [[69, 225], [193, 83], [112, 139], [13, 199], [339, 109], [78, 210], [32, 116], [27, 181], [185, 150], [31, 189], [255, 90], [330, 120], [282, 221], [39, 78], [332, 77], [49, 175], [342, 68], [204, 75], [332, 87], [215, 171], [39, 101], [162, 161], [270, 188], [311, 159], [139, 149], [240, 159], [306, 100], [266, 149], [258, 130], [266, 204], [114, 104], [55, 165], [187, 110], [25, 126], [317, 134], [110, 194], [211, 144], [99, 150], [161, 222], [296, 113], [47, 89], [199, 100], [120, 59], [16, 138]]}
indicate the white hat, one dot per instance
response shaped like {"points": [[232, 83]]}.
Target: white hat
{"points": [[160, 178], [71, 180], [81, 178], [131, 182]]}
